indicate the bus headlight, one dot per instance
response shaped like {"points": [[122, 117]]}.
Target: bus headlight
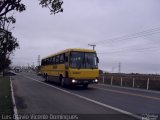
{"points": [[73, 81], [96, 80]]}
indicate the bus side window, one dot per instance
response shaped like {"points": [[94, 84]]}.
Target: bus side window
{"points": [[53, 60], [62, 58], [66, 57], [47, 61], [57, 59], [50, 61], [97, 60], [42, 62]]}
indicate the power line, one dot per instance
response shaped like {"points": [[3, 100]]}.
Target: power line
{"points": [[134, 46], [125, 38], [135, 50], [136, 35], [132, 36], [144, 33], [119, 67]]}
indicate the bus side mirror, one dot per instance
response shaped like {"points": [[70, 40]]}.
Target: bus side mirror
{"points": [[97, 60], [66, 58]]}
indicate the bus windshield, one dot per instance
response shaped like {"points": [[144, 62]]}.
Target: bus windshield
{"points": [[83, 60]]}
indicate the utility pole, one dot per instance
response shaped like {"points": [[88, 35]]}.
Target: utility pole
{"points": [[112, 69], [119, 67], [38, 60], [92, 46], [33, 64]]}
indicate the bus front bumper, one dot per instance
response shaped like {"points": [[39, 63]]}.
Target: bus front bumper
{"points": [[84, 81]]}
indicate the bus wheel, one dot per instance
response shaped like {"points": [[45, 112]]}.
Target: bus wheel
{"points": [[62, 82], [85, 86]]}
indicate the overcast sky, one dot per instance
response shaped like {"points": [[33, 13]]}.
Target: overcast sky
{"points": [[124, 31]]}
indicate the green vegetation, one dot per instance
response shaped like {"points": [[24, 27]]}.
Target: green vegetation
{"points": [[8, 43], [6, 106]]}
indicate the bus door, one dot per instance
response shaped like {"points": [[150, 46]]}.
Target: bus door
{"points": [[66, 64]]}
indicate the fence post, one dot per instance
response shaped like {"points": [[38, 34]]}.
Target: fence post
{"points": [[103, 79], [121, 81], [147, 83], [112, 80], [133, 82]]}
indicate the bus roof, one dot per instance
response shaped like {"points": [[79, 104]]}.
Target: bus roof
{"points": [[70, 49]]}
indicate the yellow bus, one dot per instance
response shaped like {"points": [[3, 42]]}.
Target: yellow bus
{"points": [[71, 67]]}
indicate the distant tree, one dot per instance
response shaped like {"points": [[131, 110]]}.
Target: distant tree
{"points": [[4, 65], [55, 6], [6, 6], [9, 5], [8, 43]]}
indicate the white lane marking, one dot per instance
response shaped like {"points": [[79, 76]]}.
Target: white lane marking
{"points": [[130, 88], [88, 99], [128, 93], [13, 100]]}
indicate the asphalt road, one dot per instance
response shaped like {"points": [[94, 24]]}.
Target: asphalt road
{"points": [[34, 96]]}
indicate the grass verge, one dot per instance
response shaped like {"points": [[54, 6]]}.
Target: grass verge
{"points": [[6, 107]]}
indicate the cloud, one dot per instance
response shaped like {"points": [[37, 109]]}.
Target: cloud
{"points": [[92, 21]]}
